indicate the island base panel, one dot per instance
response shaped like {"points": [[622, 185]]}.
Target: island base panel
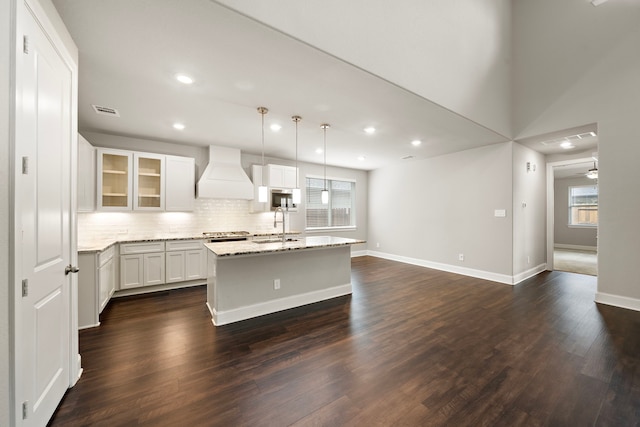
{"points": [[242, 287]]}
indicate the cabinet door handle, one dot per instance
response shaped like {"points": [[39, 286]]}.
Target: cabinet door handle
{"points": [[69, 269]]}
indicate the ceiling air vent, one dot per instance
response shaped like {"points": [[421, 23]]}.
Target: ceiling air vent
{"points": [[570, 138], [105, 110]]}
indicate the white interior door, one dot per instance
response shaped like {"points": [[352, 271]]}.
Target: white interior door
{"points": [[43, 193]]}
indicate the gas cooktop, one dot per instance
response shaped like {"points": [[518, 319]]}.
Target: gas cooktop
{"points": [[226, 236]]}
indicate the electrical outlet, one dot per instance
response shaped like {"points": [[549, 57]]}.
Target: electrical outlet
{"points": [[377, 245], [276, 284], [528, 260], [460, 257]]}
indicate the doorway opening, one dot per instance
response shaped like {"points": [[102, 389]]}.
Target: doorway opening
{"points": [[572, 215]]}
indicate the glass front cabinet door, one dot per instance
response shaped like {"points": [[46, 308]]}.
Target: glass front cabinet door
{"points": [[114, 179], [148, 181]]}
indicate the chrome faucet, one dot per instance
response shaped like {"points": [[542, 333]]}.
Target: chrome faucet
{"points": [[275, 222]]}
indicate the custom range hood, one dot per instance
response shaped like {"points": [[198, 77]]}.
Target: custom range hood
{"points": [[224, 178]]}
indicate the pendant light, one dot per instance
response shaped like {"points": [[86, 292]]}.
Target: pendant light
{"points": [[296, 191], [593, 173], [325, 193], [262, 189]]}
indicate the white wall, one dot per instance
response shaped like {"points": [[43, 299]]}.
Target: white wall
{"points": [[434, 209], [604, 87], [562, 233], [529, 211], [7, 63], [455, 53]]}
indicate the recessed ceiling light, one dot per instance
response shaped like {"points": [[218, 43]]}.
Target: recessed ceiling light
{"points": [[178, 126], [275, 127], [416, 142], [183, 78], [370, 130], [567, 145], [361, 158], [318, 150]]}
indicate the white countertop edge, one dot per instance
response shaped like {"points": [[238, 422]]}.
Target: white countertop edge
{"points": [[229, 249]]}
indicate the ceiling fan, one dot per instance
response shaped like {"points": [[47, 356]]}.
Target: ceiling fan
{"points": [[593, 172]]}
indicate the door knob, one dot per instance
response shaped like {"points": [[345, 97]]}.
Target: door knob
{"points": [[69, 269]]}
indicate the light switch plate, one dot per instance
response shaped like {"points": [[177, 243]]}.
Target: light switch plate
{"points": [[500, 213]]}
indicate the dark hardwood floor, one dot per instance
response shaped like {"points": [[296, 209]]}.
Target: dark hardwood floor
{"points": [[411, 346]]}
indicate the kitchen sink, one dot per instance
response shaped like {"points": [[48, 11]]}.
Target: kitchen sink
{"points": [[275, 240]]}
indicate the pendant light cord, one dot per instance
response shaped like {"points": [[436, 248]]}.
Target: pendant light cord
{"points": [[324, 127], [262, 111], [296, 119]]}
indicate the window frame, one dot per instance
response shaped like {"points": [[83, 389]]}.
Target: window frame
{"points": [[351, 227], [570, 206]]}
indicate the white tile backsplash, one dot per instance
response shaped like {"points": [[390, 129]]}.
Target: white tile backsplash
{"points": [[208, 215]]}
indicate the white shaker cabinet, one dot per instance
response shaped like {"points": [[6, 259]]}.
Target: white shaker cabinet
{"points": [[131, 180], [131, 268], [142, 264], [96, 284], [185, 260], [282, 176], [148, 181], [180, 183], [114, 179], [153, 273], [86, 176], [106, 281]]}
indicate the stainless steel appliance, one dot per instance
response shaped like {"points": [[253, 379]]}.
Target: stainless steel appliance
{"points": [[282, 198], [226, 236]]}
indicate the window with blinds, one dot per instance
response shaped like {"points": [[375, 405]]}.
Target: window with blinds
{"points": [[583, 206], [339, 212]]}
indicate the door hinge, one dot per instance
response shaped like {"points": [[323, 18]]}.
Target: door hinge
{"points": [[25, 409], [25, 165], [25, 44], [25, 287]]}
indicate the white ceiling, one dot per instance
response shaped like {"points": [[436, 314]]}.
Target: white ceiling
{"points": [[576, 170], [549, 143], [131, 51]]}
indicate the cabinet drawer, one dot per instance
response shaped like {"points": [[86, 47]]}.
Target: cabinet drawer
{"points": [[105, 256], [183, 245], [141, 248]]}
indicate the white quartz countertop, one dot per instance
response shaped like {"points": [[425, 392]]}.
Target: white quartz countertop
{"points": [[254, 247]]}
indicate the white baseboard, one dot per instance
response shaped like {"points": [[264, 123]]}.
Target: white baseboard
{"points": [[618, 301], [480, 274], [88, 326], [576, 247], [529, 273], [272, 306], [79, 373], [355, 254]]}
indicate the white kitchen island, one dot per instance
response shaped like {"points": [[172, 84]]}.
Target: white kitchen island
{"points": [[248, 279]]}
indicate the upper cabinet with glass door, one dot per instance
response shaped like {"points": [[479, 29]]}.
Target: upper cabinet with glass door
{"points": [[148, 181], [114, 179], [131, 180]]}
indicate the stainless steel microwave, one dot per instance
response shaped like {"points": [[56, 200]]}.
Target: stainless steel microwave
{"points": [[282, 198]]}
